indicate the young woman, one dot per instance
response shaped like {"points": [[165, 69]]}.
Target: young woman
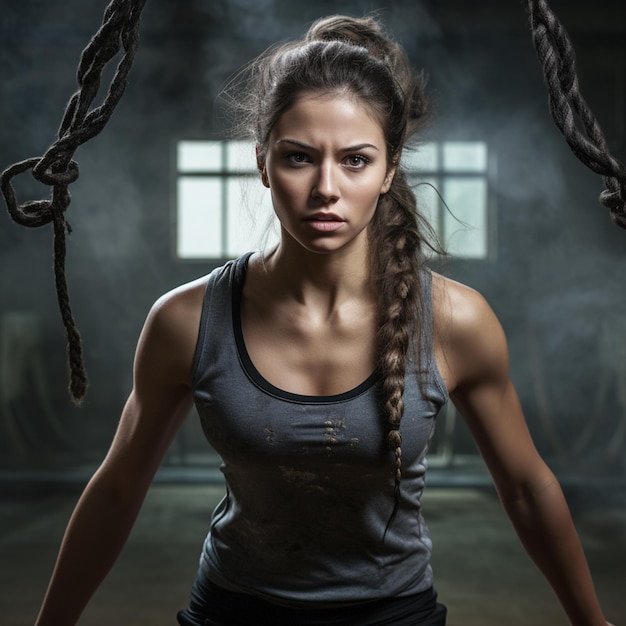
{"points": [[318, 370]]}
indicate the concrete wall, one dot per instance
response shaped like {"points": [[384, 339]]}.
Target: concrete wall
{"points": [[555, 279]]}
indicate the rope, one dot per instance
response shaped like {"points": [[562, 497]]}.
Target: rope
{"points": [[557, 58], [57, 169], [120, 28]]}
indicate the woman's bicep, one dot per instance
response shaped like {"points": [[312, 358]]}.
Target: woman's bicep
{"points": [[161, 396], [486, 398]]}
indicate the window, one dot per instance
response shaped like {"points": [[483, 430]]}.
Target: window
{"points": [[222, 210], [450, 183]]}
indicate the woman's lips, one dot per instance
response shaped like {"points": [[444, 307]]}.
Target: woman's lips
{"points": [[325, 222]]}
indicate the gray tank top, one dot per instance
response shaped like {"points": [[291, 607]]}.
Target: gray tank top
{"points": [[309, 478]]}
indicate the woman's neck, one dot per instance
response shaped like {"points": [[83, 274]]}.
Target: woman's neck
{"points": [[320, 280]]}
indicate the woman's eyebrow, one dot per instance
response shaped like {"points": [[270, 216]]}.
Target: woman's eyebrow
{"points": [[305, 146]]}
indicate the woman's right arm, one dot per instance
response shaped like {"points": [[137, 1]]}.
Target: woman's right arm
{"points": [[105, 514]]}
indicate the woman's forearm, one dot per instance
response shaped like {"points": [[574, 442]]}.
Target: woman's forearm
{"points": [[95, 536], [543, 522]]}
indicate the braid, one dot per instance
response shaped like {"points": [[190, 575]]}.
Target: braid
{"points": [[396, 239], [398, 232]]}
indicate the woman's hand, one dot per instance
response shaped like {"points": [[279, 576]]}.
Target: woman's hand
{"points": [[477, 374], [158, 404]]}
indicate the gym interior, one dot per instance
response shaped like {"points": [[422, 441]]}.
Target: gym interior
{"points": [[518, 210]]}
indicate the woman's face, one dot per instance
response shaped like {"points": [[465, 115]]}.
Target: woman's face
{"points": [[326, 166]]}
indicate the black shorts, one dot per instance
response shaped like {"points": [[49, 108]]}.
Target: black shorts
{"points": [[219, 607]]}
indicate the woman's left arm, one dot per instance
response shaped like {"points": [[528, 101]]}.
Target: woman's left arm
{"points": [[477, 355]]}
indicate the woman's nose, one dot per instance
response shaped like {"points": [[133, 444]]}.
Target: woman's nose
{"points": [[326, 185]]}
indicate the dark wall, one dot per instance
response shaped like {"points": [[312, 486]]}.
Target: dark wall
{"points": [[555, 279]]}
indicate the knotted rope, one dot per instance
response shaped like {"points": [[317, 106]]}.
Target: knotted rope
{"points": [[120, 28], [57, 169], [558, 61]]}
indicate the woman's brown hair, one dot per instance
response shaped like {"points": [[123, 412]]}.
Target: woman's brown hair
{"points": [[354, 56]]}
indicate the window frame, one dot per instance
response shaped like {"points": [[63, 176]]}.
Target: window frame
{"points": [[437, 174]]}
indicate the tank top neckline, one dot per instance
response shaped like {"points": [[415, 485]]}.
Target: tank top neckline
{"points": [[250, 369]]}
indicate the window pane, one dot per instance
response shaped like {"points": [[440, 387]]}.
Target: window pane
{"points": [[249, 210], [465, 231], [199, 156], [199, 217], [241, 156], [423, 158], [465, 156]]}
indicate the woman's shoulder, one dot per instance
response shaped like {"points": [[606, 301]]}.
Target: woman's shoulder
{"points": [[177, 312], [467, 329], [182, 294], [183, 304], [458, 304], [189, 296], [181, 300]]}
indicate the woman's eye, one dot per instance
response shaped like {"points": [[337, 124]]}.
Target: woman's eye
{"points": [[297, 157], [357, 161]]}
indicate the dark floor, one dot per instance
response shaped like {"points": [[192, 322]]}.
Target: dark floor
{"points": [[481, 572]]}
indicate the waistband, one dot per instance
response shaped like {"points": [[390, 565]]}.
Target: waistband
{"points": [[220, 607]]}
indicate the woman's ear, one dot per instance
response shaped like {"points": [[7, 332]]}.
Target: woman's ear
{"points": [[388, 180], [390, 173], [260, 163]]}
